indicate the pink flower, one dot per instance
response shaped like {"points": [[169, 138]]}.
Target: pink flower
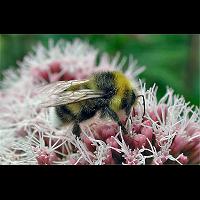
{"points": [[44, 157]]}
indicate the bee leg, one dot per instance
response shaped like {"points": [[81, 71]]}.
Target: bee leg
{"points": [[128, 112], [76, 130], [103, 113], [115, 117]]}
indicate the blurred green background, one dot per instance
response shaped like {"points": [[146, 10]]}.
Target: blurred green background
{"points": [[170, 60]]}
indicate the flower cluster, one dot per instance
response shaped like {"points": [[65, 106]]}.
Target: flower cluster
{"points": [[168, 133]]}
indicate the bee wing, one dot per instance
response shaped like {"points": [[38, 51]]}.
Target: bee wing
{"points": [[68, 97], [58, 87]]}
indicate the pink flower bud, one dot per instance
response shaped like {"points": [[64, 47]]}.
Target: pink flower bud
{"points": [[67, 77], [96, 135], [88, 144], [178, 144], [44, 74], [148, 132], [45, 158], [40, 73], [105, 131], [115, 126], [129, 140], [192, 128], [111, 141], [153, 116], [189, 146], [147, 123], [139, 141], [192, 143], [136, 128], [109, 159], [55, 67], [183, 159], [195, 153]]}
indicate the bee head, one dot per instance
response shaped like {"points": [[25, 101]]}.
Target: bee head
{"points": [[129, 100]]}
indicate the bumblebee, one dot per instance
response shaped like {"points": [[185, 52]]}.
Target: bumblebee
{"points": [[79, 100]]}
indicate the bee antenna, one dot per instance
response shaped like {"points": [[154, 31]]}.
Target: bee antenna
{"points": [[143, 103]]}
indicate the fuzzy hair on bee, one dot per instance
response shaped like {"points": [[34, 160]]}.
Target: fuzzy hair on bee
{"points": [[79, 100]]}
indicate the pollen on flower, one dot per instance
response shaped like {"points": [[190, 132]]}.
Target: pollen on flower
{"points": [[169, 133]]}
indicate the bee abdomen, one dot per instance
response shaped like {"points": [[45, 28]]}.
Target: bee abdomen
{"points": [[64, 114]]}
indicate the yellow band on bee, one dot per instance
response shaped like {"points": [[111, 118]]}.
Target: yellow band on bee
{"points": [[121, 84]]}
